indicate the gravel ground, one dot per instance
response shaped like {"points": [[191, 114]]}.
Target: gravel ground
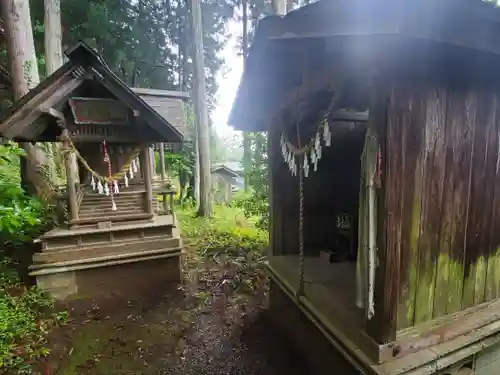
{"points": [[168, 334], [255, 348]]}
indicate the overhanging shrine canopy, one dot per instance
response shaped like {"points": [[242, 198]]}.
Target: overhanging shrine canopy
{"points": [[85, 91], [381, 29]]}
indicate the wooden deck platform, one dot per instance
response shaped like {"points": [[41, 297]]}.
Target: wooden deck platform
{"points": [[114, 259], [157, 221], [329, 303], [330, 289]]}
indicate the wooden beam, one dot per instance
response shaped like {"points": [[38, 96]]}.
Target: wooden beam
{"points": [[60, 90], [382, 326], [58, 115]]}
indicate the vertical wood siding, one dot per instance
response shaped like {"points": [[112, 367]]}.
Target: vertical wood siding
{"points": [[443, 199]]}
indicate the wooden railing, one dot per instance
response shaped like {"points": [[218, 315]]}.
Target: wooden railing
{"points": [[167, 201], [79, 195]]}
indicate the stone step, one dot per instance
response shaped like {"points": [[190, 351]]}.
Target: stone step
{"points": [[92, 224], [108, 214], [69, 245], [108, 207], [113, 218], [123, 194], [115, 198], [92, 235], [108, 201], [119, 247]]}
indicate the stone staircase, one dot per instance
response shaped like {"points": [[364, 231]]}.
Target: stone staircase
{"points": [[94, 208]]}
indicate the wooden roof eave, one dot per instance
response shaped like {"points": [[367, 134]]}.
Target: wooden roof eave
{"points": [[470, 25], [163, 93], [20, 121], [226, 170]]}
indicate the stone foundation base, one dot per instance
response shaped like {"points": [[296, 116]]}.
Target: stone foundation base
{"points": [[323, 358], [108, 279]]}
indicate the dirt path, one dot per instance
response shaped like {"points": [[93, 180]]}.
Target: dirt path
{"points": [[195, 330]]}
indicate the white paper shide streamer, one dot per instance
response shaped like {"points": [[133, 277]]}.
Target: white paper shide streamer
{"points": [[131, 170], [322, 138], [100, 188]]}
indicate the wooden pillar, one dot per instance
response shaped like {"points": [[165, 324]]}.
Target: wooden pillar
{"points": [[382, 326], [70, 176], [162, 163], [148, 177], [151, 153]]}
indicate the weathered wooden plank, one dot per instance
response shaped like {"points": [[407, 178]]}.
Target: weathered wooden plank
{"points": [[432, 119], [413, 137], [431, 162], [492, 288], [384, 323], [459, 141], [437, 129], [481, 195]]}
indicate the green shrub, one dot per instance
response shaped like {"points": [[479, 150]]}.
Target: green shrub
{"points": [[232, 240], [25, 317], [25, 313], [21, 217]]}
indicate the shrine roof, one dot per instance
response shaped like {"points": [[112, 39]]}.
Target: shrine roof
{"points": [[168, 104], [224, 170], [469, 26], [84, 65]]}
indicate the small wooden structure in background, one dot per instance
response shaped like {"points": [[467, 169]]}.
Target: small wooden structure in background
{"points": [[223, 180], [409, 94], [114, 240]]}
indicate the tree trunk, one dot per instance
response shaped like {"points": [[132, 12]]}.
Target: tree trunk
{"points": [[53, 61], [201, 109], [247, 152], [53, 36], [24, 71]]}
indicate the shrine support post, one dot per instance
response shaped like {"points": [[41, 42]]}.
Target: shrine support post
{"points": [[70, 176], [148, 177], [162, 163]]}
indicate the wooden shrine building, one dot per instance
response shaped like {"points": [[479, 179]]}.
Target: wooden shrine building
{"points": [[223, 181], [114, 239], [384, 150]]}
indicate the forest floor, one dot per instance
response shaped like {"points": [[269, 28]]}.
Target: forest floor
{"points": [[214, 323]]}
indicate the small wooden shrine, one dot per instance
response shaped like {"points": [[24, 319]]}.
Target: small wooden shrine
{"points": [[114, 239], [383, 146], [223, 181]]}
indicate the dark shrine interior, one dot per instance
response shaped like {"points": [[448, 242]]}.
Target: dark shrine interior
{"points": [[331, 194]]}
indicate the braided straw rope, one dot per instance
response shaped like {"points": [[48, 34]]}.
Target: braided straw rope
{"points": [[300, 291], [116, 177]]}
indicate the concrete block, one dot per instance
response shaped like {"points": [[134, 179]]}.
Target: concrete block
{"points": [[59, 285]]}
